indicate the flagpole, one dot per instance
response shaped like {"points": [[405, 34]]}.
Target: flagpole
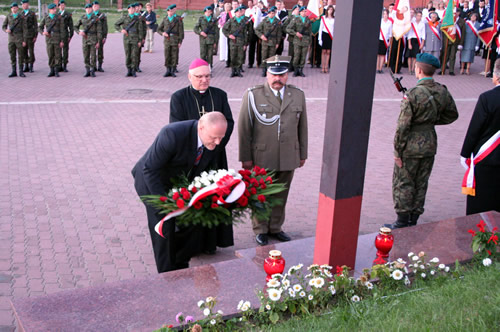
{"points": [[487, 61], [387, 63], [397, 56], [445, 60]]}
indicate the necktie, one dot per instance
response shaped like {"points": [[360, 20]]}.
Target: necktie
{"points": [[278, 95], [199, 153]]}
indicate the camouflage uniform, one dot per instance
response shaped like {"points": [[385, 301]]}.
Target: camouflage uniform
{"points": [[427, 104], [240, 31], [175, 30], [145, 31], [91, 25], [68, 26], [102, 33], [29, 49], [290, 37], [130, 41], [209, 25], [19, 31], [57, 34], [300, 44], [272, 31]]}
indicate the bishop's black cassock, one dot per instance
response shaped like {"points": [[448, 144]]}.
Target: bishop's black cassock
{"points": [[190, 104]]}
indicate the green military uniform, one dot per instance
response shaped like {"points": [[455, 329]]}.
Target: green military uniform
{"points": [[68, 26], [301, 45], [54, 25], [426, 105], [29, 50], [174, 27], [290, 37], [131, 40], [238, 27], [207, 24], [90, 25], [18, 33], [102, 33], [271, 29], [145, 31], [452, 46]]}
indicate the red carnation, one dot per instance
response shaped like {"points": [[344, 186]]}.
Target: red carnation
{"points": [[183, 190], [214, 198], [186, 195], [163, 198], [261, 181], [254, 182], [263, 186], [247, 193], [180, 203], [198, 205], [243, 201], [262, 171], [261, 198], [340, 270], [194, 190], [176, 196], [246, 178], [269, 179], [214, 206], [256, 169], [494, 229], [247, 184], [253, 191]]}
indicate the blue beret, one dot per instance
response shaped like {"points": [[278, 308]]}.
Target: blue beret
{"points": [[302, 8], [89, 5], [51, 6], [172, 6], [208, 8], [14, 4], [272, 9], [428, 59]]}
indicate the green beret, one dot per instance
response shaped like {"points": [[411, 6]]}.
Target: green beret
{"points": [[51, 6], [428, 59], [302, 8], [89, 5], [130, 6], [25, 1], [14, 4], [296, 6], [272, 9], [60, 2], [95, 3], [208, 8], [239, 8], [172, 6]]}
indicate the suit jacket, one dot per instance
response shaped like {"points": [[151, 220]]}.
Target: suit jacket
{"points": [[259, 143], [172, 154], [485, 122]]}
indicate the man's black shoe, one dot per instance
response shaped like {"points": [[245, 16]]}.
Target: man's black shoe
{"points": [[209, 251], [261, 239], [281, 236], [452, 74]]}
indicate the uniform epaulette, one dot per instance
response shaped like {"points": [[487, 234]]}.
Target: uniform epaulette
{"points": [[293, 86], [256, 87]]}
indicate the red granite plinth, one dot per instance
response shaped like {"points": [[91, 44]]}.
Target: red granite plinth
{"points": [[147, 304]]}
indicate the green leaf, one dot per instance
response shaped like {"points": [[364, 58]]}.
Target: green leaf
{"points": [[274, 317]]}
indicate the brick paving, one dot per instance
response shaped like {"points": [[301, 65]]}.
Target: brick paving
{"points": [[69, 215]]}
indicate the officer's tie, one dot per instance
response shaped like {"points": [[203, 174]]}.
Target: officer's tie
{"points": [[278, 95], [199, 153]]}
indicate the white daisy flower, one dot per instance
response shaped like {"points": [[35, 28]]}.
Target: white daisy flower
{"points": [[197, 179], [400, 261], [197, 184], [411, 254], [200, 303], [487, 262], [447, 269], [325, 266], [302, 294], [220, 312], [268, 307], [434, 260], [317, 282], [397, 274], [277, 276], [310, 297], [441, 266], [423, 275], [274, 294], [297, 288], [213, 322], [206, 311], [204, 174], [415, 258], [369, 285], [299, 266], [327, 273], [407, 281], [273, 283], [422, 267], [355, 298], [190, 187], [286, 284], [291, 292], [245, 306], [433, 272], [406, 270], [332, 290], [312, 266], [209, 299]]}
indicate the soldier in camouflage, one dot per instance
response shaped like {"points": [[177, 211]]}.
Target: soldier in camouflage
{"points": [[236, 29], [206, 28], [131, 28], [88, 26], [172, 29], [301, 28], [102, 34], [269, 30], [142, 16], [68, 26], [295, 13], [53, 28], [32, 25], [15, 26], [426, 105]]}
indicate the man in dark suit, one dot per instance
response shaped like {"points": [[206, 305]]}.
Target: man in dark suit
{"points": [[182, 148], [483, 132]]}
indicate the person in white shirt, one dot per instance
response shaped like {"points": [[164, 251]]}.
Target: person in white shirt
{"points": [[440, 10], [384, 37], [426, 11], [416, 40], [325, 37], [255, 15]]}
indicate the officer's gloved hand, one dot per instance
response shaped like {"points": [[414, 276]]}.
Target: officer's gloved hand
{"points": [[464, 164], [476, 48], [320, 42], [460, 47]]}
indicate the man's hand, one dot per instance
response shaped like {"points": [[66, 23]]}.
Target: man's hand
{"points": [[463, 161], [263, 38], [97, 46], [124, 32], [179, 45], [203, 34], [45, 33], [302, 162], [398, 162], [139, 44], [82, 33], [299, 35], [8, 31], [24, 44], [103, 41], [61, 44], [232, 37], [166, 35], [246, 164], [409, 46]]}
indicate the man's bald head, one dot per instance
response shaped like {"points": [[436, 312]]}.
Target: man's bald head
{"points": [[212, 129]]}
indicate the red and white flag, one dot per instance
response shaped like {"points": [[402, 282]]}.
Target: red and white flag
{"points": [[313, 9], [402, 19]]}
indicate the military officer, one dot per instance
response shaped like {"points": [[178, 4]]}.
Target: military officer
{"points": [[102, 34], [88, 26], [16, 27], [32, 25], [426, 105], [269, 30], [141, 13], [207, 27], [236, 29], [272, 133], [68, 26], [131, 28], [172, 29], [301, 28], [53, 28]]}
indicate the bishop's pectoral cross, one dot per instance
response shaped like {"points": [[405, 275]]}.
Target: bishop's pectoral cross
{"points": [[202, 111]]}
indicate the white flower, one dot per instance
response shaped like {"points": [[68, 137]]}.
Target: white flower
{"points": [[297, 288], [291, 292], [213, 322], [206, 311], [447, 269], [415, 258], [434, 260], [190, 187], [332, 290], [273, 283], [355, 298], [325, 266], [210, 299], [317, 282], [268, 307], [299, 266], [406, 270], [274, 294], [200, 303], [433, 272], [327, 273], [308, 276], [302, 294], [369, 285], [397, 274], [277, 276], [312, 266], [197, 179], [310, 297], [422, 267], [400, 261], [286, 284], [245, 306], [197, 184], [441, 266], [411, 254], [407, 281], [486, 262], [204, 174], [220, 312], [239, 305], [423, 275]]}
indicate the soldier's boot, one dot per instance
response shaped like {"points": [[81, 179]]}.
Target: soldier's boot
{"points": [[92, 73], [233, 72], [51, 74], [292, 68], [31, 67], [21, 73], [167, 73], [26, 68], [175, 70], [95, 68], [296, 72], [65, 69], [172, 71], [14, 72], [302, 73], [402, 221], [133, 73], [56, 71], [241, 69], [99, 68], [238, 72], [264, 72], [413, 219], [138, 69], [87, 73]]}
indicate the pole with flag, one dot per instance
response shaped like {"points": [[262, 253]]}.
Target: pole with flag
{"points": [[401, 25], [312, 11], [449, 28], [488, 28]]}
